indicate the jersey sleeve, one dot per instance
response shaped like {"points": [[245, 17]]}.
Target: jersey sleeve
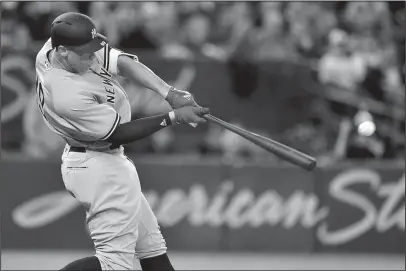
{"points": [[108, 58], [85, 115]]}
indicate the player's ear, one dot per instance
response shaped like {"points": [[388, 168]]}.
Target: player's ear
{"points": [[62, 50]]}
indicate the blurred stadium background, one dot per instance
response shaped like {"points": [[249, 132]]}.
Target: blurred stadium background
{"points": [[324, 77]]}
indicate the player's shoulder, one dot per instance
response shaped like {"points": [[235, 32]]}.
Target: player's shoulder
{"points": [[108, 57], [43, 66], [41, 57]]}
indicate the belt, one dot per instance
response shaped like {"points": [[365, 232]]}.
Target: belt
{"points": [[83, 149]]}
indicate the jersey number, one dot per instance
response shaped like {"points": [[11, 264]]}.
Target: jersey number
{"points": [[40, 97]]}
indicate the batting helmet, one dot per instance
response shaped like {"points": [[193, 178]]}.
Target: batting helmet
{"points": [[76, 30]]}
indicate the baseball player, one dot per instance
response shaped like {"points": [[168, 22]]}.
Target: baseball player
{"points": [[81, 100]]}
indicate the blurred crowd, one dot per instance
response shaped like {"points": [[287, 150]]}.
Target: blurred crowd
{"points": [[353, 48], [260, 30]]}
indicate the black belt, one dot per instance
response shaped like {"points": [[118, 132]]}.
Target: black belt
{"points": [[83, 149]]}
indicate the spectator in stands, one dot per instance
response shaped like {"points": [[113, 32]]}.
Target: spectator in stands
{"points": [[193, 40], [14, 34], [37, 16], [124, 23], [238, 20], [272, 39], [196, 32], [161, 24], [373, 41], [345, 68], [309, 25], [339, 66], [373, 36]]}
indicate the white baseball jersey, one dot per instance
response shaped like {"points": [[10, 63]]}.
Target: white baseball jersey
{"points": [[84, 109]]}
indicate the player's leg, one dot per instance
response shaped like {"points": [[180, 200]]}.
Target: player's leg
{"points": [[151, 246], [88, 263], [108, 188]]}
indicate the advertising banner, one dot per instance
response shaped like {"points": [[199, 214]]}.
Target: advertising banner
{"points": [[366, 209], [269, 209], [206, 205]]}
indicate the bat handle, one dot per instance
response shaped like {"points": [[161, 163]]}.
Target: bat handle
{"points": [[213, 119]]}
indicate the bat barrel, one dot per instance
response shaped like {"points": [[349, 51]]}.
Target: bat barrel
{"points": [[287, 153]]}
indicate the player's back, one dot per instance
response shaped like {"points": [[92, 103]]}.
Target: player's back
{"points": [[85, 108]]}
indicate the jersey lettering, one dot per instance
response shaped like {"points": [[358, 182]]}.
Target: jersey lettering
{"points": [[108, 87], [107, 82], [110, 98], [105, 72]]}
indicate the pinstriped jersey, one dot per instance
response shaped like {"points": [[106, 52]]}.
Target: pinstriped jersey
{"points": [[85, 109]]}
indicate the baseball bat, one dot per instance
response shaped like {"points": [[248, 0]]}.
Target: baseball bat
{"points": [[287, 153]]}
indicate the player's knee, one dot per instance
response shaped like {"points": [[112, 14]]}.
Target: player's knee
{"points": [[151, 245]]}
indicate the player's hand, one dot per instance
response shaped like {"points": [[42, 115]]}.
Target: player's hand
{"points": [[180, 98], [191, 114]]}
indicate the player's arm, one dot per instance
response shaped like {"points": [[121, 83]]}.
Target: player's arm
{"points": [[141, 128], [141, 74], [138, 72], [127, 65], [92, 120]]}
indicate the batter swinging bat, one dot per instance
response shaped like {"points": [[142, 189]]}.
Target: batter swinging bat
{"points": [[287, 153]]}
